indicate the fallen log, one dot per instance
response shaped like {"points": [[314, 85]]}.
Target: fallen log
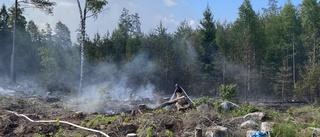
{"points": [[170, 102]]}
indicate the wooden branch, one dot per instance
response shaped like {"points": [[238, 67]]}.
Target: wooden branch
{"points": [[170, 102], [54, 121]]}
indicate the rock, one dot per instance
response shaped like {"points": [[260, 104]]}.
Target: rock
{"points": [[217, 131], [203, 109], [132, 135], [317, 130], [250, 133], [256, 116], [226, 105], [265, 126], [250, 124]]}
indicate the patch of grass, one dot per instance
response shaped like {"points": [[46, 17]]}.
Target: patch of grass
{"points": [[126, 119], [286, 130], [57, 122], [149, 131], [101, 119], [273, 115], [38, 135], [160, 111], [59, 133], [168, 133], [245, 109], [304, 109], [202, 100]]}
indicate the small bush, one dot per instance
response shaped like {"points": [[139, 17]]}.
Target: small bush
{"points": [[245, 109], [100, 119], [160, 111], [168, 133], [227, 92], [149, 131], [288, 129], [202, 100]]}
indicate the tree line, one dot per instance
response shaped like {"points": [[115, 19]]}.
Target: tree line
{"points": [[273, 54]]}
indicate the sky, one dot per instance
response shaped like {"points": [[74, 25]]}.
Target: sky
{"points": [[170, 12]]}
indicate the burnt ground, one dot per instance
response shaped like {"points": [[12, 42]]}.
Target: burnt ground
{"points": [[144, 122], [154, 122], [163, 122]]}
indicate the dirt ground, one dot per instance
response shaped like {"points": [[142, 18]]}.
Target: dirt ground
{"points": [[163, 122], [144, 122]]}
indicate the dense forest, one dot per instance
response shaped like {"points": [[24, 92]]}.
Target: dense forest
{"points": [[273, 54]]}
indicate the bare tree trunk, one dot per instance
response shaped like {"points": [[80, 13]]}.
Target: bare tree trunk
{"points": [[13, 55], [314, 52], [293, 64], [224, 69], [249, 73], [83, 35]]}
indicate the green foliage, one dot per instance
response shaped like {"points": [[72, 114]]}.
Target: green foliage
{"points": [[96, 6], [160, 111], [101, 119], [227, 92], [168, 133], [38, 135], [126, 119], [149, 131], [245, 109], [284, 130], [274, 115], [202, 100], [57, 122], [48, 64]]}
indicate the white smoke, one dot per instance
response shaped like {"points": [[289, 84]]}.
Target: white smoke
{"points": [[6, 91], [117, 84]]}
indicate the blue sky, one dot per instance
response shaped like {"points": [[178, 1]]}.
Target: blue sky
{"points": [[151, 12]]}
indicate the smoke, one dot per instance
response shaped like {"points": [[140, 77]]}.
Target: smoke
{"points": [[236, 73], [113, 87], [6, 91]]}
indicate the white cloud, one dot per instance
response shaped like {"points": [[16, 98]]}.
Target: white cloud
{"points": [[67, 4], [169, 3], [168, 21], [193, 23]]}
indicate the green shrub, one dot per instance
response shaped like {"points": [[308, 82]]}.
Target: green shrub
{"points": [[168, 133], [149, 131], [38, 135], [202, 100], [160, 111], [227, 92], [101, 119], [288, 129], [245, 109]]}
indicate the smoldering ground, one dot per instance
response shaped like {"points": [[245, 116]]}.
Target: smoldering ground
{"points": [[115, 88]]}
